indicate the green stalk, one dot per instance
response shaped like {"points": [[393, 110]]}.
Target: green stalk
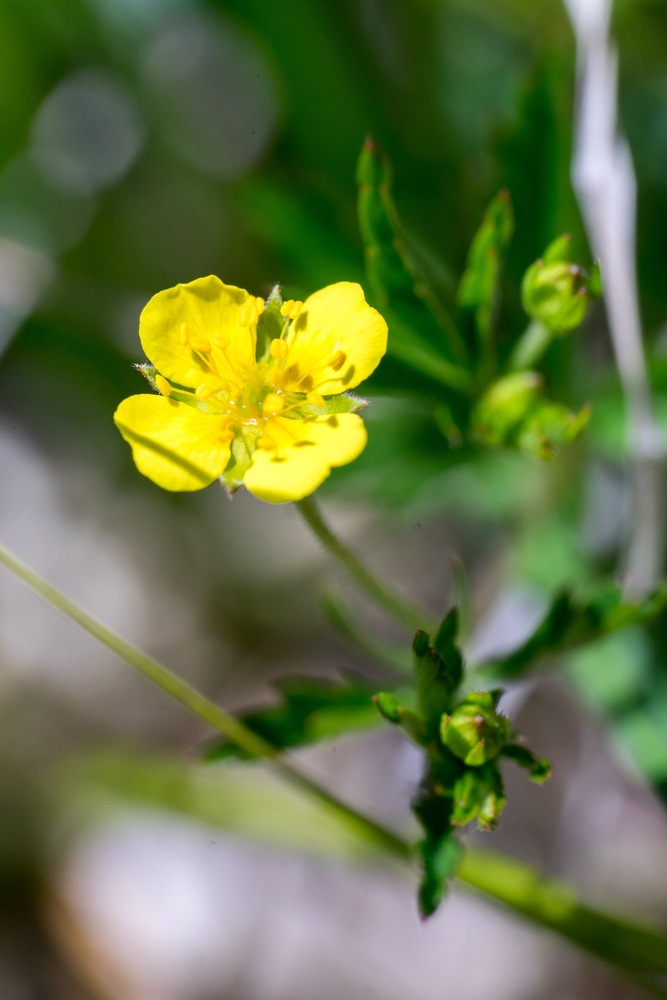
{"points": [[530, 347], [404, 612], [201, 706], [639, 952]]}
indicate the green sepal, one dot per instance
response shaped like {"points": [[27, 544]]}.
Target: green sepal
{"points": [[539, 768], [242, 449], [182, 395], [149, 372], [269, 324], [344, 402], [559, 250]]}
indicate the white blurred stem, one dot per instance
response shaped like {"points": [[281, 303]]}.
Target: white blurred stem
{"points": [[604, 180]]}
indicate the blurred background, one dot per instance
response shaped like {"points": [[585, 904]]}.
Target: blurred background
{"points": [[149, 142]]}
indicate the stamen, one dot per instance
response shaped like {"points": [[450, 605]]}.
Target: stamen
{"points": [[338, 361], [315, 399], [220, 341], [183, 335], [279, 349], [291, 309], [200, 344], [251, 311], [162, 385], [273, 405]]}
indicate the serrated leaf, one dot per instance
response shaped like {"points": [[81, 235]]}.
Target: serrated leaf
{"points": [[444, 643], [479, 286], [421, 335], [570, 623], [310, 709], [434, 684], [440, 859]]}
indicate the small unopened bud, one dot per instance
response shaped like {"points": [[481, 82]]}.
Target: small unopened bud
{"points": [[556, 294], [474, 733]]}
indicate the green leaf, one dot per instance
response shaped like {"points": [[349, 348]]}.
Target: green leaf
{"points": [[434, 683], [439, 851], [421, 335], [570, 623], [478, 290], [311, 709]]}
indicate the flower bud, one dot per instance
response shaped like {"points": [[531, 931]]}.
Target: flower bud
{"points": [[475, 733], [556, 294]]}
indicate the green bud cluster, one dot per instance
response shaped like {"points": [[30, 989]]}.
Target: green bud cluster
{"points": [[464, 741]]}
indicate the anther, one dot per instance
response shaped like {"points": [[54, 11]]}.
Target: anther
{"points": [[338, 361], [251, 312], [162, 385], [183, 335], [291, 309], [273, 405], [200, 344], [315, 399], [279, 349], [220, 341]]}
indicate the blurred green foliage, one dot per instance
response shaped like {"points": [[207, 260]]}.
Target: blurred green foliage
{"points": [[147, 142]]}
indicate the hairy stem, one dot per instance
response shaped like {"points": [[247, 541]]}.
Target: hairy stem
{"points": [[201, 706], [398, 608]]}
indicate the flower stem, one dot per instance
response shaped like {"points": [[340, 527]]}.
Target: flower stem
{"points": [[530, 347], [397, 607], [639, 952], [205, 709]]}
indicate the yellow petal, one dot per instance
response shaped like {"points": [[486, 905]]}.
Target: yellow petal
{"points": [[175, 445], [177, 323], [336, 341], [305, 452]]}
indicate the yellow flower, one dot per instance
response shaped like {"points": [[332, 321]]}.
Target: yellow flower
{"points": [[251, 395]]}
